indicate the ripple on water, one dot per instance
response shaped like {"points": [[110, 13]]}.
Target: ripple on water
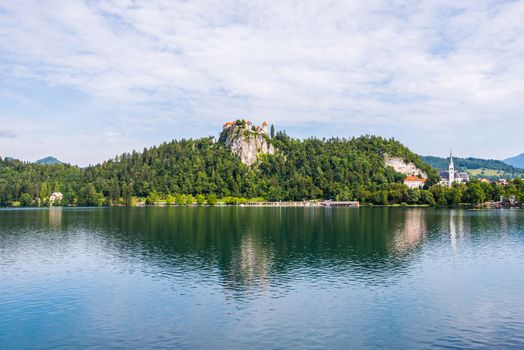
{"points": [[221, 278]]}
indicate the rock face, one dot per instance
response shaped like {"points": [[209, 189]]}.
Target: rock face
{"points": [[403, 167], [246, 141]]}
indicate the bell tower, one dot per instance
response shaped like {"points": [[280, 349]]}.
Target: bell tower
{"points": [[451, 169]]}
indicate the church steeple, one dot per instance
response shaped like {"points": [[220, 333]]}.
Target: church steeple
{"points": [[451, 168]]}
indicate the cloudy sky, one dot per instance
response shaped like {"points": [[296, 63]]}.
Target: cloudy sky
{"points": [[86, 80]]}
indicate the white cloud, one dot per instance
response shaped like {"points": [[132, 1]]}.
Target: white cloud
{"points": [[423, 65]]}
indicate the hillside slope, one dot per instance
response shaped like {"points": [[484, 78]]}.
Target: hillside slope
{"points": [[485, 168], [517, 161], [297, 170]]}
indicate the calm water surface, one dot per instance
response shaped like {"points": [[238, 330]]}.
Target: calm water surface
{"points": [[261, 278]]}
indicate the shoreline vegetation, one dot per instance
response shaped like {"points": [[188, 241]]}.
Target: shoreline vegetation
{"points": [[475, 194], [212, 201]]}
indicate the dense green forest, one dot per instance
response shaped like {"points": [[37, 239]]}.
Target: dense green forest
{"points": [[185, 171], [486, 168]]}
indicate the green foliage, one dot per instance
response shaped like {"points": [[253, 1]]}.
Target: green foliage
{"points": [[427, 198], [212, 199], [170, 199], [189, 200], [180, 199], [44, 191], [200, 199], [230, 200], [337, 169], [152, 198], [474, 193], [90, 197], [26, 200]]}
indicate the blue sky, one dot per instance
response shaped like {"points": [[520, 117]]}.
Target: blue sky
{"points": [[84, 81]]}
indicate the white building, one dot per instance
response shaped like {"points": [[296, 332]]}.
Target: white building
{"points": [[451, 175], [414, 182], [56, 197]]}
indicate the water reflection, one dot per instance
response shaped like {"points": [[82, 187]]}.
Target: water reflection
{"points": [[247, 277], [410, 230], [456, 228], [250, 265], [55, 217], [254, 246]]}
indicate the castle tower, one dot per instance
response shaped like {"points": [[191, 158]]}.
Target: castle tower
{"points": [[451, 169], [264, 127]]}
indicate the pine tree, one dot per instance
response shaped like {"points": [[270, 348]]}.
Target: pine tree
{"points": [[44, 191]]}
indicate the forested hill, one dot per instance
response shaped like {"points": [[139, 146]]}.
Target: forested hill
{"points": [[300, 169], [487, 168]]}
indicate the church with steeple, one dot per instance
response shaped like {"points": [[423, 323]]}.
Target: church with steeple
{"points": [[451, 175]]}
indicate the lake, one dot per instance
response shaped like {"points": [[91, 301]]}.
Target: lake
{"points": [[261, 278]]}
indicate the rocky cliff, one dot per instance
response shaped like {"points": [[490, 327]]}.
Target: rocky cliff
{"points": [[246, 141], [404, 167]]}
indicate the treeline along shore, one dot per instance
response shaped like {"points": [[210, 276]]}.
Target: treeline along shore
{"points": [[208, 171]]}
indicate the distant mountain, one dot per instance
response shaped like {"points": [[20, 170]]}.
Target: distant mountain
{"points": [[517, 161], [483, 168], [48, 161]]}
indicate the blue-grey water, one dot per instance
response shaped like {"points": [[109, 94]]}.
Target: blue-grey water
{"points": [[261, 278]]}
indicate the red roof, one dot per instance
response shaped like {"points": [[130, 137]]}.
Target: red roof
{"points": [[414, 178]]}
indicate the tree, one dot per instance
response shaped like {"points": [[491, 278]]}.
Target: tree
{"points": [[170, 199], [90, 197], [272, 131], [200, 199], [454, 195], [44, 191], [190, 200], [127, 190], [474, 193], [152, 198], [26, 200], [413, 196], [212, 199], [114, 192], [427, 198], [180, 199]]}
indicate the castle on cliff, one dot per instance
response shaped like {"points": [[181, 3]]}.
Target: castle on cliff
{"points": [[246, 141], [246, 124]]}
